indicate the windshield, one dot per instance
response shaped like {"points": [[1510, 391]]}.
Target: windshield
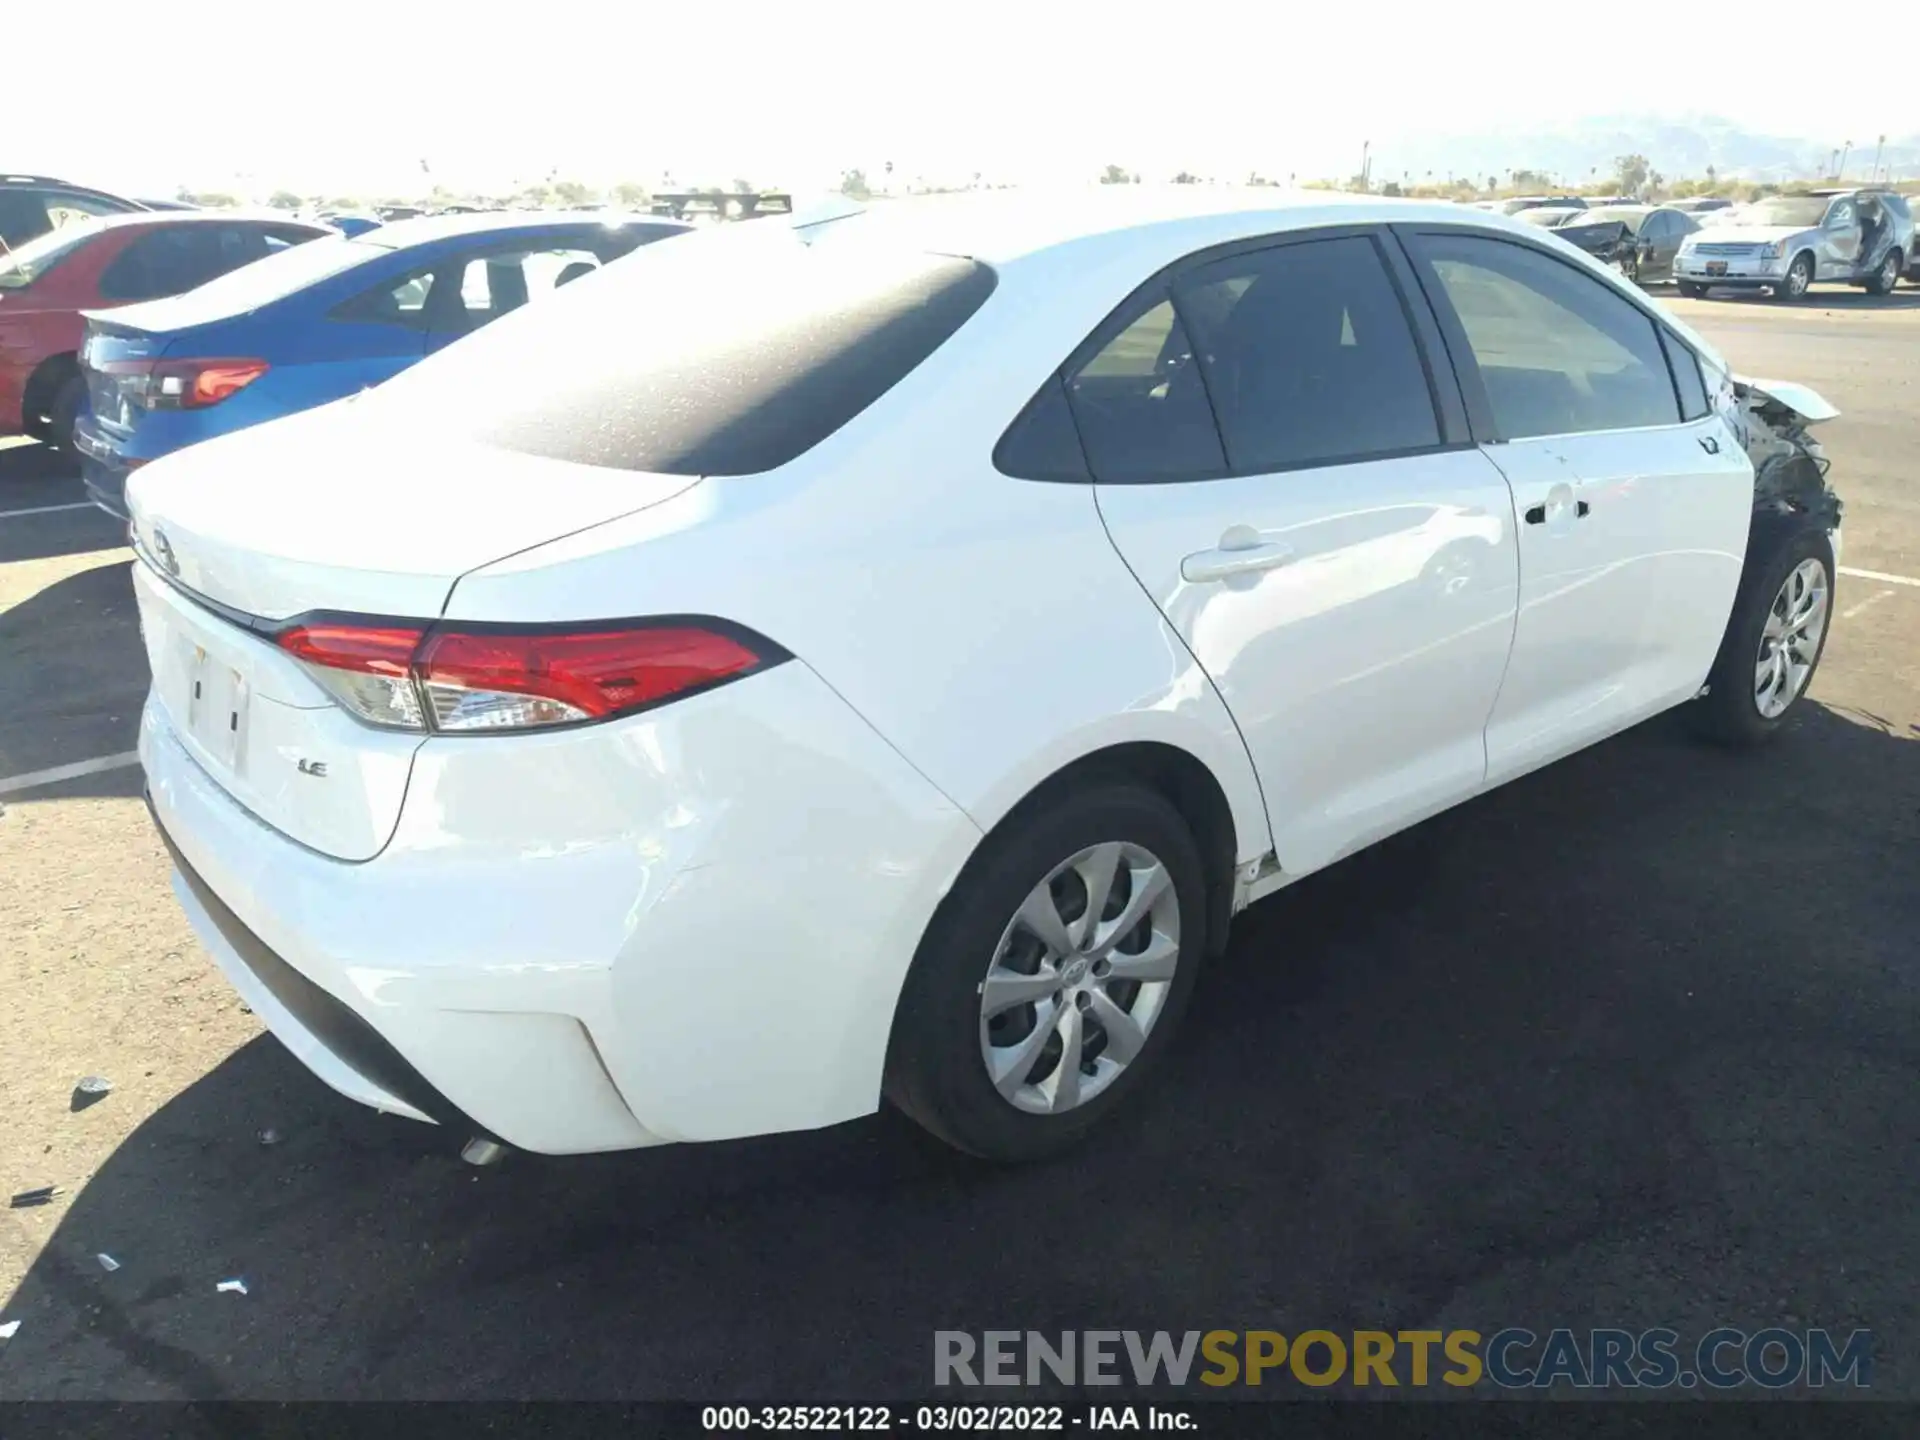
{"points": [[1632, 219], [1799, 211], [24, 264], [275, 277]]}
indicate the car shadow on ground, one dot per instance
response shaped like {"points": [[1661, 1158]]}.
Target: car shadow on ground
{"points": [[75, 671], [1630, 1042], [1905, 298], [35, 478]]}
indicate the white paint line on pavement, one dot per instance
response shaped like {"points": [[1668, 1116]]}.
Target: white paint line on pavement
{"points": [[74, 771], [49, 509], [1881, 576], [1865, 604]]}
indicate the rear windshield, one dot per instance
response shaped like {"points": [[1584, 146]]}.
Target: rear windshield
{"points": [[272, 278], [24, 264], [728, 352]]}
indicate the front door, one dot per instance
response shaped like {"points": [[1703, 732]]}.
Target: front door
{"points": [[1840, 241], [1633, 510], [1273, 460]]}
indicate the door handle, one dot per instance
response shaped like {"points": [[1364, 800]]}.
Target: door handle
{"points": [[1538, 514], [1709, 444], [1224, 563]]}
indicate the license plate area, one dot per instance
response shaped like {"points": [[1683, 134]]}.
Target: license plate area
{"points": [[1716, 267], [216, 704]]}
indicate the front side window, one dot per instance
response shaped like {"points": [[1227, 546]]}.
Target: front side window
{"points": [[1558, 351], [1308, 355], [1140, 404], [1842, 216]]}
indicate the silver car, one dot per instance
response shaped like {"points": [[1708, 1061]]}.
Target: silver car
{"points": [[1786, 243]]}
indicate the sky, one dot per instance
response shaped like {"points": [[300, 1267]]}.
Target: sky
{"points": [[353, 97]]}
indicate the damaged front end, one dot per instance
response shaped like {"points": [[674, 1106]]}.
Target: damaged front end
{"points": [[1771, 419]]}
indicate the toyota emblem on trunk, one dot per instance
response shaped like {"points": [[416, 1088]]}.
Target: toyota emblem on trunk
{"points": [[164, 549]]}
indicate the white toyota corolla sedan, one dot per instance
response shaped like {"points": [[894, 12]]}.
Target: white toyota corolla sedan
{"points": [[809, 663]]}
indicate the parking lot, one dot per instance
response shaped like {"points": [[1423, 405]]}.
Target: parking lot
{"points": [[1630, 1042]]}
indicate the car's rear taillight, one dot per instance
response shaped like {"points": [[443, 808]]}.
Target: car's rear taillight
{"points": [[459, 679], [191, 384]]}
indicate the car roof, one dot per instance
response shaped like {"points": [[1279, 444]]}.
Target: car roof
{"points": [[164, 218], [424, 229], [1001, 226]]}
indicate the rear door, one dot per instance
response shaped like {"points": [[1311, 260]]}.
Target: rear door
{"points": [[1634, 511], [1336, 554]]}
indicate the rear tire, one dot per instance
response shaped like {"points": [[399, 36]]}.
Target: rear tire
{"points": [[1887, 276], [68, 401], [974, 1067], [1763, 641]]}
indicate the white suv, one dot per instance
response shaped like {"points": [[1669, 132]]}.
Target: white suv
{"points": [[807, 663]]}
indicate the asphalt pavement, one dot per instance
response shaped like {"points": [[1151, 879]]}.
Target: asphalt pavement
{"points": [[1630, 1042]]}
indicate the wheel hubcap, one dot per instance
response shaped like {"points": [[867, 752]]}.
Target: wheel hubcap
{"points": [[1082, 972], [1790, 641]]}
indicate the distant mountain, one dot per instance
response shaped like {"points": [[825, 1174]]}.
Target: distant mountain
{"points": [[1576, 151]]}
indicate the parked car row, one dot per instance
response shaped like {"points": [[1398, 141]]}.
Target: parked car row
{"points": [[1787, 243], [172, 325]]}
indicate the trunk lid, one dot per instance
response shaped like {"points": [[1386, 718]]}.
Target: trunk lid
{"points": [[117, 397], [338, 511]]}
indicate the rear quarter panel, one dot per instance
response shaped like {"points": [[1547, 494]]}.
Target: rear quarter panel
{"points": [[984, 625]]}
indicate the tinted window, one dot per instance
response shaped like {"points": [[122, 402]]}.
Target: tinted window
{"points": [[167, 262], [1139, 402], [1560, 352], [1307, 355], [23, 264], [725, 353], [1042, 444], [1686, 377], [392, 302]]}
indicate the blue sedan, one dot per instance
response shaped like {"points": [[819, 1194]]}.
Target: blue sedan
{"points": [[317, 323]]}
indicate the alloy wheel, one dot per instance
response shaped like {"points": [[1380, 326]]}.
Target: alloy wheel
{"points": [[1081, 973], [1790, 640]]}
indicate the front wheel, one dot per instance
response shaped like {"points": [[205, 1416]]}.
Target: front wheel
{"points": [[1774, 638], [1053, 976], [1799, 280], [1691, 290]]}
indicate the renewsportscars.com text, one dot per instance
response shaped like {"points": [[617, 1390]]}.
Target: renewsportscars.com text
{"points": [[1512, 1358]]}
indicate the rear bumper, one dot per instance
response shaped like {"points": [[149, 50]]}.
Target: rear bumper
{"points": [[334, 1042], [103, 469], [689, 925]]}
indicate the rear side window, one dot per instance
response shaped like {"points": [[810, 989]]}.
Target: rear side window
{"points": [[1042, 444], [168, 262], [1308, 356], [720, 354], [1687, 380], [401, 303], [1140, 403], [1559, 352]]}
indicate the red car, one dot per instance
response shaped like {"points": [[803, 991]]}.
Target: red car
{"points": [[96, 265]]}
